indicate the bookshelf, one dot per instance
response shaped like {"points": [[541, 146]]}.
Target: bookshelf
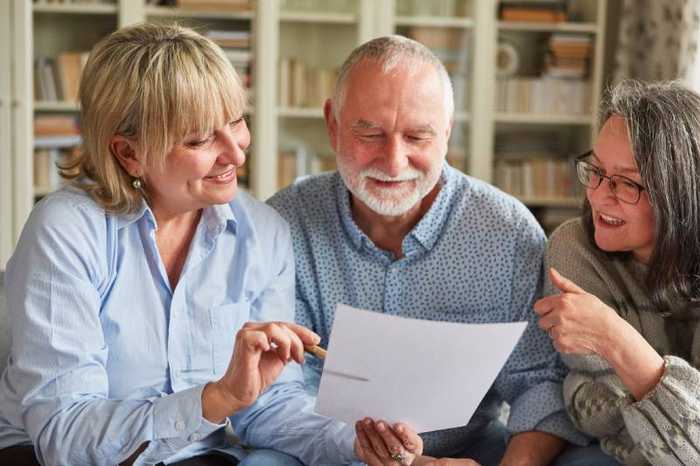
{"points": [[311, 38]]}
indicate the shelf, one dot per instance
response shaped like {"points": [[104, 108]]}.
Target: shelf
{"points": [[319, 18], [56, 142], [49, 106], [299, 112], [572, 202], [590, 28], [434, 21], [76, 9], [173, 12], [544, 119]]}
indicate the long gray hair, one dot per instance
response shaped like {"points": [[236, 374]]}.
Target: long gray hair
{"points": [[663, 123]]}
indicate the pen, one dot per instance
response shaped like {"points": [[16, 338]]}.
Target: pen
{"points": [[316, 350]]}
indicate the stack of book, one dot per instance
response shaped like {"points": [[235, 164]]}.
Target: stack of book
{"points": [[53, 136], [219, 5], [301, 85], [538, 11], [299, 160], [568, 56], [236, 45], [58, 79], [543, 95], [532, 165], [536, 178]]}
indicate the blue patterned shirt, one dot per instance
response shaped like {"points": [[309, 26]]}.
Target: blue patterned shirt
{"points": [[106, 356], [475, 257]]}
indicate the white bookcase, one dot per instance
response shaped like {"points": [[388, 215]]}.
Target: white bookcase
{"points": [[321, 33]]}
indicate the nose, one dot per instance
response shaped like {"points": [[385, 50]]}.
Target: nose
{"points": [[396, 158], [603, 193], [234, 141]]}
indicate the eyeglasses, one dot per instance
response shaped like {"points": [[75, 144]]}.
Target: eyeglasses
{"points": [[591, 176]]}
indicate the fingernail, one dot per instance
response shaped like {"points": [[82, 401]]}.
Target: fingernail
{"points": [[368, 422], [399, 428], [381, 427]]}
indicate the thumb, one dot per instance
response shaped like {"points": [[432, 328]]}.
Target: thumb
{"points": [[563, 284]]}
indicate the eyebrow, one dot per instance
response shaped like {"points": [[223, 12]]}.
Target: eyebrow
{"points": [[364, 124], [619, 169]]}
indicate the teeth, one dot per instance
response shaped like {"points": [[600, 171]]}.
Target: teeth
{"points": [[611, 220]]}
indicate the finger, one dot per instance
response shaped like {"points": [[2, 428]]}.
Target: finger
{"points": [[391, 441], [549, 321], [296, 346], [280, 337], [545, 305], [563, 284], [409, 438], [368, 454], [375, 439], [307, 336]]}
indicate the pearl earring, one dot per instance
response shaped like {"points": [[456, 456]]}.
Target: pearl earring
{"points": [[136, 183]]}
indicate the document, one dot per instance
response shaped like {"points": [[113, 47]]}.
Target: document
{"points": [[431, 375]]}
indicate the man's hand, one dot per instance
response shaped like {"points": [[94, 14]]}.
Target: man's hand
{"points": [[381, 444]]}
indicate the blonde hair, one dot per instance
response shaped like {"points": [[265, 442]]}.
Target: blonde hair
{"points": [[153, 83]]}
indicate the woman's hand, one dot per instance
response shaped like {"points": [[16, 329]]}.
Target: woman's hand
{"points": [[577, 321], [261, 351], [381, 444], [580, 323]]}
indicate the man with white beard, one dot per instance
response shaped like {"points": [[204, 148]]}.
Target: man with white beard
{"points": [[396, 230]]}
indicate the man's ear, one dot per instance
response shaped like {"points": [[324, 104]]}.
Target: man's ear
{"points": [[125, 151], [331, 124]]}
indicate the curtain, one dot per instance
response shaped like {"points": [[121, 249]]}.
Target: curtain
{"points": [[658, 40]]}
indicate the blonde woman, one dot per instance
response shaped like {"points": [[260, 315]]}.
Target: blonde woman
{"points": [[150, 300]]}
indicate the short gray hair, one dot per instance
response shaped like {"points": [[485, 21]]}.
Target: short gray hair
{"points": [[390, 52]]}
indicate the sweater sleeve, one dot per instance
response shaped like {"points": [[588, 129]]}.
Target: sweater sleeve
{"points": [[665, 424], [661, 429]]}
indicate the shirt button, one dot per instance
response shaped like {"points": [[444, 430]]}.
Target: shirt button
{"points": [[179, 426], [196, 437]]}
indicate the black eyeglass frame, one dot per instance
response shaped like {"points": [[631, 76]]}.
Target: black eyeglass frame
{"points": [[580, 160]]}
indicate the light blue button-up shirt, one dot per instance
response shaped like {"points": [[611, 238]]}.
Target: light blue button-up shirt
{"points": [[107, 356], [475, 257]]}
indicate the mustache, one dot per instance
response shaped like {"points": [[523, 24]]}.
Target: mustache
{"points": [[409, 174]]}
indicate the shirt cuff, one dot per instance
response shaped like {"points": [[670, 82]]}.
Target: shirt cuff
{"points": [[178, 423], [343, 443], [560, 425], [179, 415], [541, 408]]}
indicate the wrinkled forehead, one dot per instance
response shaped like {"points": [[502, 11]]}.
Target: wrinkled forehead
{"points": [[402, 92]]}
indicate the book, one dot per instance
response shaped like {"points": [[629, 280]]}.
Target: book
{"points": [[56, 125], [532, 14]]}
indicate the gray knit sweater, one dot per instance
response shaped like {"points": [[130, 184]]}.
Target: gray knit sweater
{"points": [[664, 427]]}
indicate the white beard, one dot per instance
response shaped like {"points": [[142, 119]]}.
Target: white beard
{"points": [[390, 202]]}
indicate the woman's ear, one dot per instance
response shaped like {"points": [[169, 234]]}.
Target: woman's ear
{"points": [[125, 150]]}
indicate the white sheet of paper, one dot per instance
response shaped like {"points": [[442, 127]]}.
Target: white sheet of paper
{"points": [[431, 375]]}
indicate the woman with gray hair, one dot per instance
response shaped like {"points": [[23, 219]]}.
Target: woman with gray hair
{"points": [[151, 302], [625, 317]]}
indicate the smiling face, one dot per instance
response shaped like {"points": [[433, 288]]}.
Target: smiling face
{"points": [[200, 171], [620, 226], [391, 135]]}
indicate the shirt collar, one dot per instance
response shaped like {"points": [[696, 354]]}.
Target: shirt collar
{"points": [[427, 230], [215, 218]]}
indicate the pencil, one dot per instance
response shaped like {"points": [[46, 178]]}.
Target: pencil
{"points": [[316, 350]]}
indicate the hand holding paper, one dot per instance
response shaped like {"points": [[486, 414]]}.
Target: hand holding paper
{"points": [[431, 375]]}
